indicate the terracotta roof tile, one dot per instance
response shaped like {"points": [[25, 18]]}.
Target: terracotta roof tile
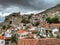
{"points": [[45, 24], [27, 42], [56, 24], [20, 31], [41, 41], [1, 37]]}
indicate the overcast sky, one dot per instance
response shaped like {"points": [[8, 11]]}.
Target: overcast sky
{"points": [[25, 6]]}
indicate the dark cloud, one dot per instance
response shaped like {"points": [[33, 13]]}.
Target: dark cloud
{"points": [[29, 4], [37, 4], [15, 2]]}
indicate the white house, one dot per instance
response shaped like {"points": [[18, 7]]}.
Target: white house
{"points": [[22, 34], [2, 41], [43, 32], [8, 33], [55, 30]]}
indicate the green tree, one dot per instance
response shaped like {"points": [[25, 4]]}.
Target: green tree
{"points": [[58, 36], [4, 27], [53, 20], [34, 32], [8, 26], [48, 20], [14, 39]]}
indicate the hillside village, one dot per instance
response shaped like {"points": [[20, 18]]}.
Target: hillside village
{"points": [[33, 26]]}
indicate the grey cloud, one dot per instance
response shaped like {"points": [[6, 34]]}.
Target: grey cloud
{"points": [[29, 4]]}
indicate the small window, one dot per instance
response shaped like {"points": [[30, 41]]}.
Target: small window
{"points": [[2, 42]]}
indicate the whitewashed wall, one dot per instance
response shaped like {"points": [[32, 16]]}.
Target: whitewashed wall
{"points": [[2, 42]]}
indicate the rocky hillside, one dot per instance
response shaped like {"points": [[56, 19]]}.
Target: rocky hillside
{"points": [[14, 18], [51, 11]]}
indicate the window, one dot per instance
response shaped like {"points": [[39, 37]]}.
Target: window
{"points": [[2, 42]]}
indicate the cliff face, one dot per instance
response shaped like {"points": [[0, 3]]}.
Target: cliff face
{"points": [[14, 18]]}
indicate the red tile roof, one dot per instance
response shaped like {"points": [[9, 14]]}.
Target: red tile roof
{"points": [[27, 41], [20, 31], [56, 24], [41, 41], [1, 37], [44, 24]]}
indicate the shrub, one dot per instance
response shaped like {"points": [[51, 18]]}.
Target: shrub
{"points": [[53, 20], [4, 27], [58, 36]]}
